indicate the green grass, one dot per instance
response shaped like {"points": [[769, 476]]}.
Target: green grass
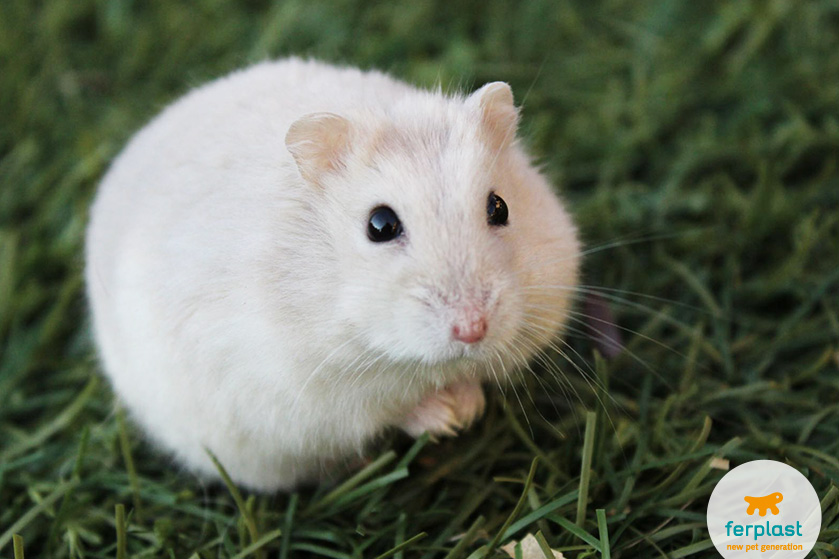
{"points": [[698, 145]]}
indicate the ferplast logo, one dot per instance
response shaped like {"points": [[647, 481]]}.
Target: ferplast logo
{"points": [[765, 509], [762, 504]]}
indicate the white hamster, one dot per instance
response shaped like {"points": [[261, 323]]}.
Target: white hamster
{"points": [[292, 259]]}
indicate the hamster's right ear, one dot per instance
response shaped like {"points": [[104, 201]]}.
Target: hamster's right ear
{"points": [[319, 143], [499, 116]]}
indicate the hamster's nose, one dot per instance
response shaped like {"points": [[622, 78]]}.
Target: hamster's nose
{"points": [[470, 330]]}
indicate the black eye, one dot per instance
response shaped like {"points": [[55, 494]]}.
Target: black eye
{"points": [[496, 210], [384, 225]]}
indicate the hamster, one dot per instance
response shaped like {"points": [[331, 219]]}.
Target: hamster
{"points": [[293, 259]]}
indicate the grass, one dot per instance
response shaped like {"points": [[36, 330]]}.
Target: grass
{"points": [[698, 145]]}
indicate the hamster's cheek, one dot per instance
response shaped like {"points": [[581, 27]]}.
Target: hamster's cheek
{"points": [[548, 299], [506, 320], [408, 338], [389, 323]]}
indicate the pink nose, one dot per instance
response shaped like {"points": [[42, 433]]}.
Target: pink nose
{"points": [[471, 331]]}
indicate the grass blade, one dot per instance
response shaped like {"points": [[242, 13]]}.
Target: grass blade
{"points": [[585, 468], [603, 528], [467, 539], [122, 537], [18, 546], [250, 523], [527, 484], [258, 544], [29, 515], [367, 472], [287, 524], [577, 531], [125, 447], [404, 545]]}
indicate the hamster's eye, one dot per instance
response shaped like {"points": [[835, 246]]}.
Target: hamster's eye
{"points": [[496, 210], [384, 225]]}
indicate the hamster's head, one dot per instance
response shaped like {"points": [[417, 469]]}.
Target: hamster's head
{"points": [[451, 247]]}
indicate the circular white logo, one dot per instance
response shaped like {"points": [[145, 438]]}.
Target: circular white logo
{"points": [[764, 509]]}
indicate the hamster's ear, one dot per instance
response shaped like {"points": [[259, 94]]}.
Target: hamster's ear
{"points": [[319, 143], [499, 116]]}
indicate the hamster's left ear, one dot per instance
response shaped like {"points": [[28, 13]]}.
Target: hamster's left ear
{"points": [[499, 116], [319, 143]]}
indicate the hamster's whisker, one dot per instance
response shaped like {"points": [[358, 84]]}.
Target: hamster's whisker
{"points": [[573, 315], [560, 378], [546, 336], [524, 366], [597, 383], [594, 386], [533, 83], [501, 388], [594, 383], [635, 357], [320, 366], [588, 335], [412, 376], [353, 366], [515, 390], [487, 363], [511, 346], [358, 372], [597, 387], [555, 371], [588, 379], [594, 332], [622, 242], [552, 389], [415, 373], [384, 370], [613, 295], [608, 323]]}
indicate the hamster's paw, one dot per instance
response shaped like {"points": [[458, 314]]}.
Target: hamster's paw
{"points": [[446, 411]]}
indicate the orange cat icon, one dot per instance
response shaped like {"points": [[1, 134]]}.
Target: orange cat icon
{"points": [[769, 502]]}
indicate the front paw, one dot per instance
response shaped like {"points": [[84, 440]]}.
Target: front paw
{"points": [[446, 411]]}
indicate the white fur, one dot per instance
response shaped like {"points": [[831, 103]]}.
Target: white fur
{"points": [[240, 308]]}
